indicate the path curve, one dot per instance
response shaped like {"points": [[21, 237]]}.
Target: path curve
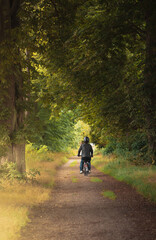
{"points": [[77, 210]]}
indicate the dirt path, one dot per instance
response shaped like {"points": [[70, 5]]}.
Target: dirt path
{"points": [[77, 210]]}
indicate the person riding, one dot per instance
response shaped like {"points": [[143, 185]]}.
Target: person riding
{"points": [[87, 153]]}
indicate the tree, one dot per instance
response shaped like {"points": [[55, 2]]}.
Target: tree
{"points": [[150, 76], [58, 134], [14, 84], [105, 64], [98, 56]]}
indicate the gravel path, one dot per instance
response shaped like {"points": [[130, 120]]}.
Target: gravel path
{"points": [[77, 210]]}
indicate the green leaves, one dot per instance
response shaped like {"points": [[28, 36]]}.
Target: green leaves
{"points": [[87, 55], [58, 134]]}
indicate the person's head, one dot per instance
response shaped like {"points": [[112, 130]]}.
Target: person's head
{"points": [[86, 139]]}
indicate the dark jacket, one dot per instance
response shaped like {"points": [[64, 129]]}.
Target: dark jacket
{"points": [[87, 150]]}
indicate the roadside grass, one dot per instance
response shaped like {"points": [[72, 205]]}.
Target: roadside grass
{"points": [[95, 179], [109, 194], [17, 197], [47, 168], [12, 218], [143, 178], [73, 164]]}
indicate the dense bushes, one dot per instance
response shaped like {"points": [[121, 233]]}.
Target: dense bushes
{"points": [[57, 134], [133, 148]]}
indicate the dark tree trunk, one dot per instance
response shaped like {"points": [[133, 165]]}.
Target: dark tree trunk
{"points": [[150, 76], [12, 89]]}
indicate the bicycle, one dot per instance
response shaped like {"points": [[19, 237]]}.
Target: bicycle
{"points": [[86, 168]]}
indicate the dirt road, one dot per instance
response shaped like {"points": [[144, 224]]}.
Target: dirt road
{"points": [[77, 210]]}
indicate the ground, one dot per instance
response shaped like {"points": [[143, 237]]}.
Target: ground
{"points": [[78, 210]]}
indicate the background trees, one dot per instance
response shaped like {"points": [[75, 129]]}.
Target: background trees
{"points": [[97, 56], [103, 66]]}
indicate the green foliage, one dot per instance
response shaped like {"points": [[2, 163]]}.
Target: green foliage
{"points": [[97, 60], [9, 172], [41, 154], [82, 129], [43, 149], [90, 55], [110, 147], [4, 141], [32, 174], [133, 148], [58, 134]]}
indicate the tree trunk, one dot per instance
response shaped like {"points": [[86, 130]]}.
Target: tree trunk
{"points": [[19, 155], [12, 86], [150, 77]]}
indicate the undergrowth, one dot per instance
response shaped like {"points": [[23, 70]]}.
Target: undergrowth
{"points": [[20, 192], [143, 178], [133, 148]]}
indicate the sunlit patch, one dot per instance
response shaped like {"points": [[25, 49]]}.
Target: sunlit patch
{"points": [[11, 220], [17, 197]]}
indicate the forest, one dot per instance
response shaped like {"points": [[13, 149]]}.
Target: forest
{"points": [[70, 69], [69, 62]]}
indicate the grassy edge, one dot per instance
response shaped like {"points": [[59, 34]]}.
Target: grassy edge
{"points": [[20, 198], [142, 178]]}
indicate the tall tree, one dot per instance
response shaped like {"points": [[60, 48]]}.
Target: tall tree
{"points": [[150, 75], [106, 63], [12, 84], [99, 55]]}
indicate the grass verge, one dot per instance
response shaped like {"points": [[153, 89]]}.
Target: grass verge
{"points": [[109, 194], [143, 178], [95, 179], [18, 197]]}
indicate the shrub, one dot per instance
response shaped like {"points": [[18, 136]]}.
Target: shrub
{"points": [[133, 148], [9, 172], [110, 147], [43, 149]]}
